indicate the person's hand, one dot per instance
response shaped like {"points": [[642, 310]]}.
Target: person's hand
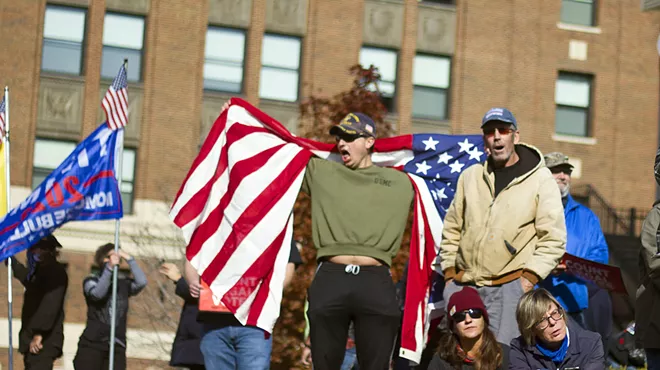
{"points": [[225, 106], [124, 255], [35, 344], [526, 284], [195, 289], [113, 259], [306, 357], [171, 271], [559, 269]]}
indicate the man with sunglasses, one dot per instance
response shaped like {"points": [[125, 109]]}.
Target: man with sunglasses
{"points": [[585, 239], [359, 213], [504, 231]]}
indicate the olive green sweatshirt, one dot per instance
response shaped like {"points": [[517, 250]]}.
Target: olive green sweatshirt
{"points": [[361, 212]]}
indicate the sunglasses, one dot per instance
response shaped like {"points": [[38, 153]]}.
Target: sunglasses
{"points": [[348, 138], [490, 131], [474, 313]]}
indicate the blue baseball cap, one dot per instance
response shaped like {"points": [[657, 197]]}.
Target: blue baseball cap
{"points": [[499, 114], [355, 124]]}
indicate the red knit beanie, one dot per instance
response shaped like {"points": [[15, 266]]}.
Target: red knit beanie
{"points": [[464, 300]]}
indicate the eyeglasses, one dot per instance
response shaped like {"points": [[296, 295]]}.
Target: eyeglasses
{"points": [[474, 313], [565, 170], [490, 131], [545, 321], [348, 138]]}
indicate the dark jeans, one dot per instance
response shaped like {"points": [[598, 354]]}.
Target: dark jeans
{"points": [[365, 295], [652, 358], [90, 358], [38, 361]]}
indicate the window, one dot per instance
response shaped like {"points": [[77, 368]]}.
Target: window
{"points": [[128, 179], [385, 60], [64, 30], [123, 37], [572, 96], [280, 64], [448, 2], [223, 59], [431, 76], [48, 154], [579, 12]]}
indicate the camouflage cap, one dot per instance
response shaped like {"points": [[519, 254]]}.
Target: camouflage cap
{"points": [[555, 159]]}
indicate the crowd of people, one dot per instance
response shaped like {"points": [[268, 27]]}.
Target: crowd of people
{"points": [[509, 301]]}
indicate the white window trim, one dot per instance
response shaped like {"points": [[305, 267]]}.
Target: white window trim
{"points": [[579, 28], [575, 139]]}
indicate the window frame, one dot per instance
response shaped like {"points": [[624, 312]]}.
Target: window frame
{"points": [[594, 14], [448, 89], [34, 155], [298, 70], [395, 95], [131, 209], [245, 50], [142, 50], [589, 124], [83, 42]]}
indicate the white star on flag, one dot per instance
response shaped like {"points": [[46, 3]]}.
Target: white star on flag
{"points": [[430, 143], [441, 194], [465, 146], [456, 166], [444, 158], [475, 153], [422, 167]]}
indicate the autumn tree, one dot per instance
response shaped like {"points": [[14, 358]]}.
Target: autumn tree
{"points": [[317, 115]]}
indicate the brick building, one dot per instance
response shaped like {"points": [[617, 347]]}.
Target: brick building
{"points": [[581, 77]]}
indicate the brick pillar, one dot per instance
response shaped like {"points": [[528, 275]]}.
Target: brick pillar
{"points": [[253, 60], [92, 65], [405, 72]]}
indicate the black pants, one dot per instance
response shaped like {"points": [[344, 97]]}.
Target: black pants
{"points": [[38, 361], [90, 358], [365, 295]]}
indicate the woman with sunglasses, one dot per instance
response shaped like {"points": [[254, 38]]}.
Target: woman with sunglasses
{"points": [[547, 342], [469, 344]]}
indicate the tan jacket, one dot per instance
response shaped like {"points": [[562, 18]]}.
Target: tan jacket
{"points": [[491, 241], [647, 306]]}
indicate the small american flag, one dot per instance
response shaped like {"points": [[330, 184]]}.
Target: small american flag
{"points": [[3, 125], [115, 101], [235, 210]]}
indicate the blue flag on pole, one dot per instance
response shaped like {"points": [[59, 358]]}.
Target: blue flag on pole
{"points": [[82, 188]]}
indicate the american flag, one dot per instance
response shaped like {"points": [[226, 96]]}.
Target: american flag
{"points": [[115, 101], [3, 125], [235, 210]]}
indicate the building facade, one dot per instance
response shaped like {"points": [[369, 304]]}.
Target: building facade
{"points": [[580, 76]]}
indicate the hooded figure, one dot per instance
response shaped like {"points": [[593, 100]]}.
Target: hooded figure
{"points": [[42, 317]]}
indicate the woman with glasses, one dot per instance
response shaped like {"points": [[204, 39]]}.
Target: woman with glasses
{"points": [[469, 344], [547, 342]]}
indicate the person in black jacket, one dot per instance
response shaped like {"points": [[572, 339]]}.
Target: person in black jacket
{"points": [[42, 317], [547, 342], [469, 344], [94, 344], [185, 349]]}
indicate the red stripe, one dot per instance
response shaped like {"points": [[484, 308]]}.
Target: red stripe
{"points": [[100, 175], [253, 214], [238, 172], [197, 202], [212, 138], [391, 144]]}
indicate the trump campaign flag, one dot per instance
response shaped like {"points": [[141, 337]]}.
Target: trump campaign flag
{"points": [[83, 187], [235, 210]]}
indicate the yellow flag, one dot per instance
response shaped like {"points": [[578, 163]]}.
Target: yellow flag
{"points": [[3, 182]]}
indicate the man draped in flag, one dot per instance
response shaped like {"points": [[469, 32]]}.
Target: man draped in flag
{"points": [[234, 209]]}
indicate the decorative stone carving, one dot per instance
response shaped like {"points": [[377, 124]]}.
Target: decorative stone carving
{"points": [[383, 23], [235, 13], [133, 6], [285, 113], [135, 98], [436, 29], [60, 106], [287, 16]]}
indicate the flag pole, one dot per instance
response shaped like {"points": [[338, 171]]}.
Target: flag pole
{"points": [[5, 143], [115, 270]]}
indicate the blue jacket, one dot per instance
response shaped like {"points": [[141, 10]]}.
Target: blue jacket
{"points": [[584, 239]]}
